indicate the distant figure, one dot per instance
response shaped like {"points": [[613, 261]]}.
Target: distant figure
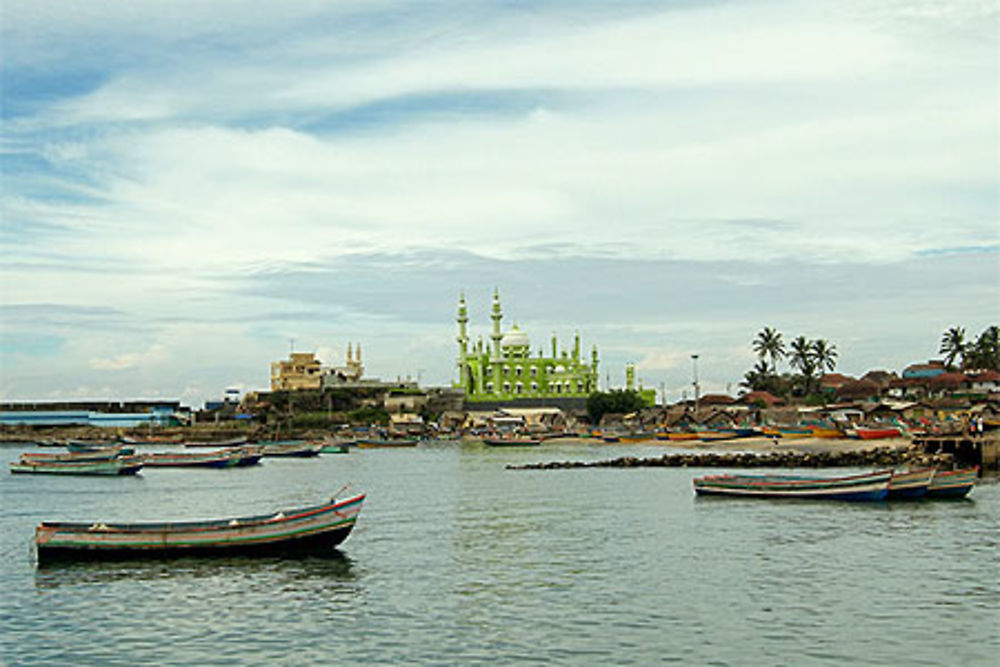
{"points": [[979, 425]]}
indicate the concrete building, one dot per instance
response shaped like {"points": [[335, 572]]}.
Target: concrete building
{"points": [[302, 370]]}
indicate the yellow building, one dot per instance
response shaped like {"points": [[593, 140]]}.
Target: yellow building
{"points": [[302, 370]]}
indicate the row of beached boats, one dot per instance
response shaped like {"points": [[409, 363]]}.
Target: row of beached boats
{"points": [[912, 484]]}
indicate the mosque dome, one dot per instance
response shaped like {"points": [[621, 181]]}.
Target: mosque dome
{"points": [[515, 338]]}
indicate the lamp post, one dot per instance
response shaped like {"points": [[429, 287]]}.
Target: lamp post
{"points": [[694, 366]]}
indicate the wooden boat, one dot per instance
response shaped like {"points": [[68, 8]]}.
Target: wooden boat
{"points": [[249, 455], [105, 454], [336, 446], [231, 442], [953, 483], [374, 443], [637, 437], [827, 432], [511, 441], [864, 433], [288, 531], [865, 487], [298, 449], [80, 447], [122, 465], [219, 458], [682, 435], [911, 483]]}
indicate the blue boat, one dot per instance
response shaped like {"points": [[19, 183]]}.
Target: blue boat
{"points": [[872, 486]]}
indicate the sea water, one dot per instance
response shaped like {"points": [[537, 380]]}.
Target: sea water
{"points": [[457, 560]]}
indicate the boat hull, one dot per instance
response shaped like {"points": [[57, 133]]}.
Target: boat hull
{"points": [[511, 442], [114, 467], [291, 532], [911, 484], [866, 487], [953, 483]]}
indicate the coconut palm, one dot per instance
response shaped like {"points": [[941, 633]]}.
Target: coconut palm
{"points": [[803, 359], [769, 344], [824, 355], [756, 379], [953, 345], [985, 352]]}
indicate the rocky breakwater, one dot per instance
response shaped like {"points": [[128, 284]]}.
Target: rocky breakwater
{"points": [[877, 456]]}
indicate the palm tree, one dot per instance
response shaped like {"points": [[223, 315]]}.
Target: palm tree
{"points": [[769, 344], [985, 352], [756, 378], [803, 359], [824, 355], [953, 345]]}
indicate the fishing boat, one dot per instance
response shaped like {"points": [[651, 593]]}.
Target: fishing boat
{"points": [[249, 455], [219, 458], [105, 454], [336, 446], [681, 435], [953, 483], [910, 483], [826, 432], [511, 441], [292, 531], [375, 443], [865, 433], [300, 449], [122, 465], [83, 447], [872, 486], [231, 442]]}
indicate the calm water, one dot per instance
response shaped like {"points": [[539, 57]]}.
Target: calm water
{"points": [[456, 560]]}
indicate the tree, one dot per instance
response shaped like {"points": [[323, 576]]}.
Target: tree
{"points": [[769, 344], [985, 352], [953, 345], [616, 401], [824, 355], [803, 359], [757, 378]]}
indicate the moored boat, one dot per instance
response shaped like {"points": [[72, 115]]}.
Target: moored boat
{"points": [[288, 531], [910, 483], [298, 449], [336, 446], [953, 483], [122, 465], [231, 442], [105, 454], [220, 458], [85, 447], [512, 441], [872, 486], [374, 443]]}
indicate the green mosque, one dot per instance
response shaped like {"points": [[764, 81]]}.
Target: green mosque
{"points": [[504, 372]]}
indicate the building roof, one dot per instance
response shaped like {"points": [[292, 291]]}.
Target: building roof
{"points": [[834, 380], [716, 399], [766, 397]]}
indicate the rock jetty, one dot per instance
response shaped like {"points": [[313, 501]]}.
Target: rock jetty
{"points": [[878, 456]]}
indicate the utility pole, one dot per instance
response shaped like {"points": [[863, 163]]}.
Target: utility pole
{"points": [[697, 393]]}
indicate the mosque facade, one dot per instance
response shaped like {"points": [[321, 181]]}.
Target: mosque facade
{"points": [[503, 369]]}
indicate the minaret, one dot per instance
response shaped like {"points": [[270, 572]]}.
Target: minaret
{"points": [[349, 357], [496, 316], [463, 341], [593, 367], [630, 376], [463, 321], [576, 347], [555, 345]]}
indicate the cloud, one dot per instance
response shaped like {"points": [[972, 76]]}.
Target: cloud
{"points": [[129, 360]]}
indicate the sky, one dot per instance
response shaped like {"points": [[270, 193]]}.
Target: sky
{"points": [[191, 190]]}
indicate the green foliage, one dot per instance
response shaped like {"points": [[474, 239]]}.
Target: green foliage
{"points": [[369, 415], [616, 401]]}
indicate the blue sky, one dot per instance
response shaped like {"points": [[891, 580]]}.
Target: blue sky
{"points": [[187, 187]]}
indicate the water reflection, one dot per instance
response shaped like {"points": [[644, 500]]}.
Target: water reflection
{"points": [[326, 564]]}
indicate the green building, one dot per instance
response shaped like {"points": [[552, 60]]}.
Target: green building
{"points": [[503, 370]]}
